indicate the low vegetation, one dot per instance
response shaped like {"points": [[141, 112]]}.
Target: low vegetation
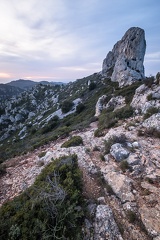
{"points": [[132, 217], [109, 119], [114, 139], [52, 208], [74, 141], [150, 112], [2, 169], [124, 166], [66, 106]]}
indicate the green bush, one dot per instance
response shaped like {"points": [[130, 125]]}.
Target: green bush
{"points": [[102, 157], [124, 166], [148, 81], [50, 125], [74, 141], [92, 86], [80, 107], [109, 188], [99, 132], [2, 169], [114, 139], [125, 112], [150, 112], [52, 208], [66, 106], [128, 91], [109, 119], [132, 217], [149, 97], [96, 149], [42, 154]]}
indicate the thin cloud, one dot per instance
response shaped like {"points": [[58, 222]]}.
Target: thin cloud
{"points": [[61, 39]]}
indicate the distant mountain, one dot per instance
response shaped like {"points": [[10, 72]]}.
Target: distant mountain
{"points": [[7, 91], [28, 84]]}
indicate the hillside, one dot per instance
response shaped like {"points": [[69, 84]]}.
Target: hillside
{"points": [[82, 160], [7, 92], [28, 84]]}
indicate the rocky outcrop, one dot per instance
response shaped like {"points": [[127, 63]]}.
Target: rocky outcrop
{"points": [[105, 225], [124, 64], [146, 98], [100, 105], [114, 103], [152, 123]]}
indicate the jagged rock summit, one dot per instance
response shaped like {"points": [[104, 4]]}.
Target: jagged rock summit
{"points": [[124, 64]]}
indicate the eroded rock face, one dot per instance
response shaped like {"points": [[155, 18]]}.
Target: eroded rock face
{"points": [[124, 64]]}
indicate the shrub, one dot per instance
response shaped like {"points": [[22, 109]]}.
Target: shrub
{"points": [[128, 91], [149, 97], [148, 81], [42, 154], [92, 86], [158, 78], [150, 112], [80, 107], [98, 132], [2, 169], [102, 157], [124, 112], [124, 166], [96, 149], [114, 139], [107, 120], [132, 217], [108, 145], [74, 141], [50, 209], [109, 189], [66, 106], [50, 125], [145, 192], [149, 180], [149, 132]]}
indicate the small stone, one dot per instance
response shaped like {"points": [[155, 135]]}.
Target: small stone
{"points": [[135, 144], [101, 200]]}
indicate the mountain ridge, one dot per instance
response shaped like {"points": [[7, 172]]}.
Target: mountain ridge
{"points": [[82, 159]]}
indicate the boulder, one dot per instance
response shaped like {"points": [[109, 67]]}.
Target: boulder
{"points": [[124, 64], [119, 152]]}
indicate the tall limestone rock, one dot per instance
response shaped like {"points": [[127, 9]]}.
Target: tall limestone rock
{"points": [[124, 64]]}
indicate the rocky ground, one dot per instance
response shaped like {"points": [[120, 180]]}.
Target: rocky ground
{"points": [[127, 195]]}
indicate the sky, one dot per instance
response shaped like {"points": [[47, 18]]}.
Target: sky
{"points": [[64, 40]]}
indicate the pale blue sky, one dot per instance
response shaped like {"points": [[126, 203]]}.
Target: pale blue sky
{"points": [[62, 40]]}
